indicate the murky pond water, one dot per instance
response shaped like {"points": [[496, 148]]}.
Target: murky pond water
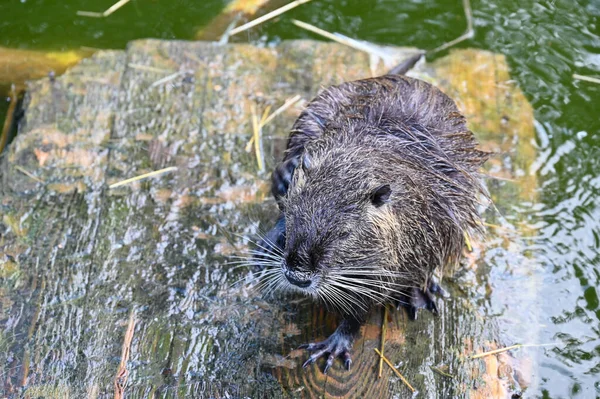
{"points": [[546, 42]]}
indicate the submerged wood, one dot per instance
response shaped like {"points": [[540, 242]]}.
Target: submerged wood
{"points": [[17, 66], [77, 259], [237, 11]]}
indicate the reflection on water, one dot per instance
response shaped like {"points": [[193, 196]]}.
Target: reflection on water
{"points": [[546, 42]]}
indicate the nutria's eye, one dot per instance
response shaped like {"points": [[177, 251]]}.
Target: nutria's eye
{"points": [[344, 235], [381, 195]]}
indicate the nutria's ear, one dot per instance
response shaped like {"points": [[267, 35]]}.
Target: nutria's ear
{"points": [[381, 195]]}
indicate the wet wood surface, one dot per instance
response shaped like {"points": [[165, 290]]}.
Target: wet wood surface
{"points": [[127, 292]]}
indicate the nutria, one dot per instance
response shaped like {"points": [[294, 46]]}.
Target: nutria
{"points": [[377, 189]]}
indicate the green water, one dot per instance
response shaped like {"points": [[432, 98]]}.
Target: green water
{"points": [[545, 42]]}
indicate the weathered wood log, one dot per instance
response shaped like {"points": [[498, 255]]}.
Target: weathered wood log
{"points": [[80, 261]]}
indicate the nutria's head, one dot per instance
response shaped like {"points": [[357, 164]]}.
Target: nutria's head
{"points": [[343, 229]]}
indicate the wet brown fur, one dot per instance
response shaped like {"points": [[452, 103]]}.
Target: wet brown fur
{"points": [[353, 139]]}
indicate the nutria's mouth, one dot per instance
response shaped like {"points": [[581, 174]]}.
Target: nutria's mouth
{"points": [[297, 279], [301, 281]]}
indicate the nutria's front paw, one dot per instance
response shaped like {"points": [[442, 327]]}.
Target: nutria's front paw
{"points": [[337, 345], [422, 300]]}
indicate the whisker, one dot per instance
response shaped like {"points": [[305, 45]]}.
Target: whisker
{"points": [[261, 254]]}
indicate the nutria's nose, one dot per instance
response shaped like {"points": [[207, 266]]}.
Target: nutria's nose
{"points": [[294, 279]]}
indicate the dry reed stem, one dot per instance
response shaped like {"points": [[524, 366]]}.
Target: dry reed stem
{"points": [[334, 37], [122, 372], [169, 78], [266, 119], [586, 78], [404, 380], [496, 351], [383, 331], [266, 17], [441, 372], [148, 68], [105, 13], [468, 242], [144, 176], [28, 174], [469, 33], [288, 103], [257, 143]]}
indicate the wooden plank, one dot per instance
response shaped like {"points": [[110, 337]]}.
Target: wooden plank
{"points": [[49, 230], [79, 259]]}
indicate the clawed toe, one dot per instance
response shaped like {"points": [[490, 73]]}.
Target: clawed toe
{"points": [[337, 345], [420, 299]]}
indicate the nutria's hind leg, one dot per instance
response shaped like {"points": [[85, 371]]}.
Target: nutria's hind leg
{"points": [[337, 345], [420, 299]]}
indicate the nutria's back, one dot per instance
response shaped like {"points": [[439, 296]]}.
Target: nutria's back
{"points": [[409, 106]]}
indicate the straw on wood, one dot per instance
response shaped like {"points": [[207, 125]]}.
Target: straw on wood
{"points": [[266, 17], [28, 174], [288, 103], [441, 372], [105, 13], [144, 176], [148, 68], [257, 142], [496, 351], [268, 118], [404, 380], [383, 331], [468, 242], [122, 373], [169, 78]]}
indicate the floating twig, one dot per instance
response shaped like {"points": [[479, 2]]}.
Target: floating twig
{"points": [[336, 37], [144, 176], [469, 33], [122, 372], [383, 330], [266, 17], [508, 348], [28, 174], [373, 50], [106, 13], [586, 78], [385, 359]]}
